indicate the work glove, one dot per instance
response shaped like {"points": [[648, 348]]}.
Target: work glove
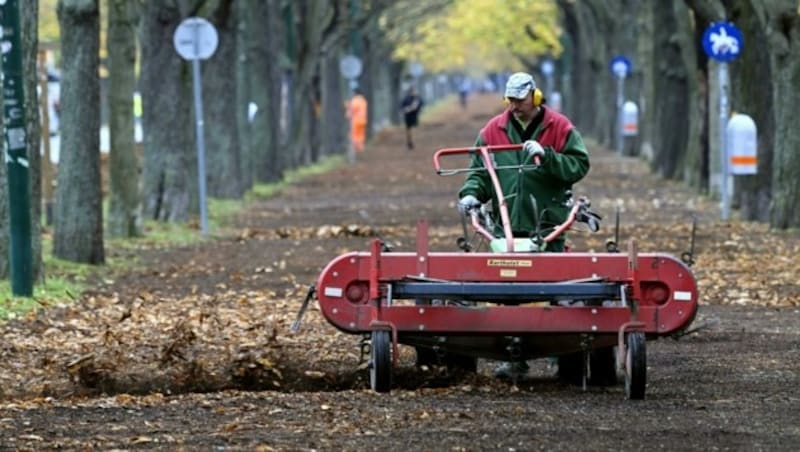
{"points": [[467, 203], [534, 149]]}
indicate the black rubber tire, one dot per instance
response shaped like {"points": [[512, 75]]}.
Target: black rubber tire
{"points": [[635, 366], [380, 366], [603, 367]]}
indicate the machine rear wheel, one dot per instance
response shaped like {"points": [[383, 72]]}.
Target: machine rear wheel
{"points": [[380, 365], [635, 366]]}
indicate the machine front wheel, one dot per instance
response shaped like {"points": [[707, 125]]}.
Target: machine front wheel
{"points": [[635, 366], [380, 365]]}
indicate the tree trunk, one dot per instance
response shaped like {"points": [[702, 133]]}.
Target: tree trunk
{"points": [[593, 100], [265, 30], [78, 234], [379, 87], [334, 136], [309, 20], [367, 80], [243, 62], [30, 46], [395, 74], [784, 44], [4, 215], [169, 168], [224, 173], [646, 52], [695, 168], [671, 91], [706, 128], [124, 216], [751, 88]]}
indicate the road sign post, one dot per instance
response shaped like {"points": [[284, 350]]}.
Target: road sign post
{"points": [[548, 68], [620, 67], [350, 67], [722, 41], [196, 39], [16, 150]]}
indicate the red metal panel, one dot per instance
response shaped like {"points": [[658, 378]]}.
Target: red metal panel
{"points": [[665, 273]]}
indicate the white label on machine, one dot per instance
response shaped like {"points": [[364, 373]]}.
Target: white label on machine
{"points": [[509, 263], [333, 291], [681, 295]]}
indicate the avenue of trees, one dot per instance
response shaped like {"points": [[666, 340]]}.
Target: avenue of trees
{"points": [[283, 57]]}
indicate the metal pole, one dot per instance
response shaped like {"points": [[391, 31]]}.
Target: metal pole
{"points": [[16, 150], [723, 120], [620, 101], [201, 148]]}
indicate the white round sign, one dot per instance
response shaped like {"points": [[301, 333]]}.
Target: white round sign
{"points": [[195, 38], [416, 69], [350, 66], [547, 67]]}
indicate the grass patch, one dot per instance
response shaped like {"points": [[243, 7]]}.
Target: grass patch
{"points": [[65, 280], [265, 191], [53, 292], [65, 285]]}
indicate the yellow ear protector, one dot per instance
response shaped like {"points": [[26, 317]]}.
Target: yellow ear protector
{"points": [[537, 98]]}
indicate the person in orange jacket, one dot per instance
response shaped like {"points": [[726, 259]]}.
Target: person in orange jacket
{"points": [[357, 112]]}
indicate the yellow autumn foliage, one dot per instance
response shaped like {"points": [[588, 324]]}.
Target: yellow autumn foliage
{"points": [[483, 35]]}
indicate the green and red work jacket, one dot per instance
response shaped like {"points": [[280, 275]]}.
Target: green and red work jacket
{"points": [[566, 161]]}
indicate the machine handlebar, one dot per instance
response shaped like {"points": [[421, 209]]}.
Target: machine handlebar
{"points": [[437, 158]]}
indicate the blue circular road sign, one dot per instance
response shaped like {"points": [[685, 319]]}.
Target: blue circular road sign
{"points": [[722, 41], [620, 66]]}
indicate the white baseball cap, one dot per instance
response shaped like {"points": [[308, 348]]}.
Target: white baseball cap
{"points": [[519, 85]]}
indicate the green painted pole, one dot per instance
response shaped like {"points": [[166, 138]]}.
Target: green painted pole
{"points": [[16, 152]]}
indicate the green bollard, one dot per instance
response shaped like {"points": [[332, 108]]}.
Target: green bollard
{"points": [[16, 152]]}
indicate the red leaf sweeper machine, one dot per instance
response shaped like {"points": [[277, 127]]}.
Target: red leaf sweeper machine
{"points": [[593, 311]]}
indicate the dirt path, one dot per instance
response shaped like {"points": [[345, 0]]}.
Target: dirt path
{"points": [[194, 352]]}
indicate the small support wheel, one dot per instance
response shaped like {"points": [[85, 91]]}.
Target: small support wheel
{"points": [[380, 363], [635, 366]]}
